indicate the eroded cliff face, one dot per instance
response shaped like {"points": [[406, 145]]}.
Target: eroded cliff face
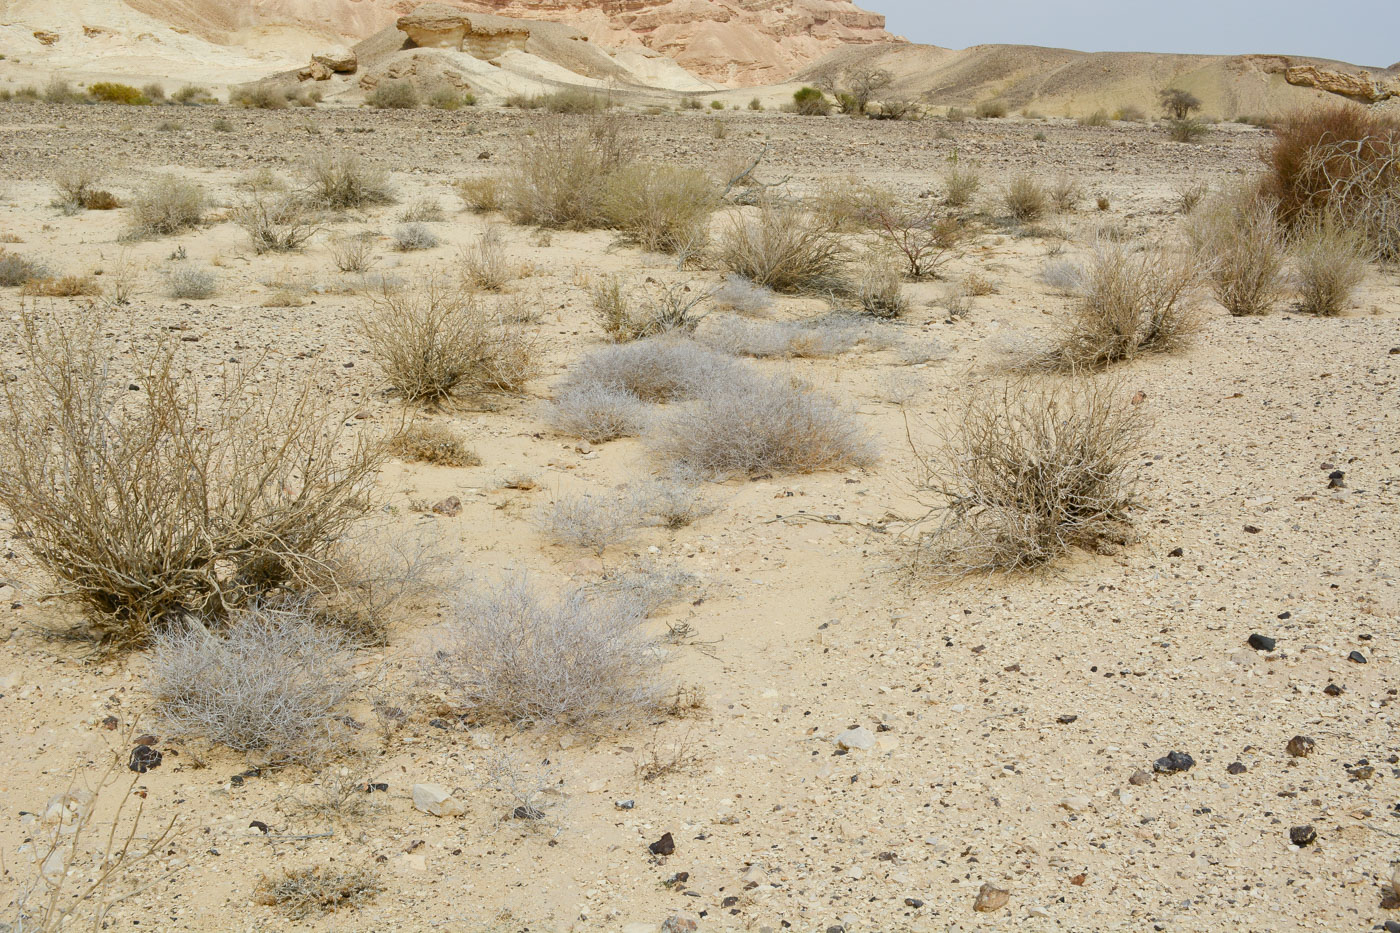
{"points": [[727, 41]]}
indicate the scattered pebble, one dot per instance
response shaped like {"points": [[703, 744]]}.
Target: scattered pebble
{"points": [[990, 898], [1172, 762]]}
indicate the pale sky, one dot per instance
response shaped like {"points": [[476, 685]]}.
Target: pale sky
{"points": [[1364, 32]]}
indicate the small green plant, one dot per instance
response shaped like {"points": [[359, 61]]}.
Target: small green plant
{"points": [[755, 104], [1186, 129], [810, 102]]}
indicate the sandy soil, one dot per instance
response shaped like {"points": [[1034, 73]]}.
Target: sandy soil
{"points": [[1010, 712]]}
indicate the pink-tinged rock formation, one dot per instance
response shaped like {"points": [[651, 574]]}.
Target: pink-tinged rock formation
{"points": [[729, 41]]}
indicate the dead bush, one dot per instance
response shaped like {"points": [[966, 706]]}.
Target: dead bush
{"points": [[656, 370], [64, 286], [850, 204], [353, 253], [17, 270], [748, 424], [275, 223], [785, 249], [659, 308], [921, 239], [176, 497], [1028, 472], [423, 210], [559, 176], [664, 208], [343, 182], [433, 443], [597, 413], [1330, 263], [188, 281], [509, 653], [593, 522], [1130, 303], [1065, 192], [393, 95], [881, 294], [738, 294], [1025, 199], [300, 893], [78, 189], [412, 237], [991, 109], [1239, 239], [1340, 162], [1063, 275], [482, 195], [960, 183], [484, 264], [434, 342], [264, 680], [166, 205]]}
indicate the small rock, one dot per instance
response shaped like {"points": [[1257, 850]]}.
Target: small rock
{"points": [[1395, 880], [1075, 804], [913, 902], [1079, 879], [858, 738], [1332, 690], [1337, 479], [1300, 746], [754, 875], [1302, 835], [1356, 657], [678, 923], [1262, 642], [144, 758], [1175, 552], [624, 804], [1237, 767], [1066, 719], [450, 506], [855, 873], [666, 845], [1172, 762], [1252, 529], [436, 800], [990, 898], [1140, 778], [1037, 911]]}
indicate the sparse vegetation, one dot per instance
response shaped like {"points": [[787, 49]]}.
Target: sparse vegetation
{"points": [[300, 893], [353, 253], [432, 443], [810, 102], [260, 97], [110, 92], [393, 95], [217, 685], [63, 286], [484, 263], [991, 109], [1239, 239], [559, 176], [409, 238], [166, 206], [513, 654], [1177, 103], [152, 504], [785, 249], [343, 182], [960, 184], [1187, 129], [1330, 261], [275, 223], [665, 208], [18, 270], [658, 309], [1025, 199], [188, 281], [79, 189], [749, 424], [482, 195], [435, 342], [655, 370], [922, 240], [1028, 472], [597, 413]]}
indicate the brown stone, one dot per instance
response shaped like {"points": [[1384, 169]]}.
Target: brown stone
{"points": [[990, 898]]}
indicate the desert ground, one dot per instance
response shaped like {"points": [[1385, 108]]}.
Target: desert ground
{"points": [[1010, 721]]}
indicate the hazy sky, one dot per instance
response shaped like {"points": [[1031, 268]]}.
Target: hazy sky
{"points": [[1365, 32]]}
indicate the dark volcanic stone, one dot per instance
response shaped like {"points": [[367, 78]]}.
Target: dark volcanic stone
{"points": [[1173, 761]]}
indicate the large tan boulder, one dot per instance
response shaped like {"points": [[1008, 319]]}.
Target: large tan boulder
{"points": [[1358, 86], [338, 59], [438, 26]]}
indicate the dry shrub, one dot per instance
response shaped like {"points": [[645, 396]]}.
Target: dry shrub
{"points": [[510, 653], [921, 239], [748, 424], [178, 497], [738, 294], [191, 282], [1025, 199], [1028, 472], [268, 680], [657, 370], [1187, 130], [665, 208], [659, 308], [304, 892], [1341, 162], [849, 204], [1239, 239], [412, 237], [353, 253], [559, 176], [1330, 263], [776, 339], [991, 109], [960, 184], [482, 195], [597, 413], [17, 270], [65, 286], [785, 249], [78, 190], [434, 343], [1063, 275], [1130, 303], [259, 97], [1189, 196], [393, 95], [275, 223], [880, 294], [1065, 193], [484, 264], [423, 210], [167, 205], [592, 522], [343, 182], [433, 443]]}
